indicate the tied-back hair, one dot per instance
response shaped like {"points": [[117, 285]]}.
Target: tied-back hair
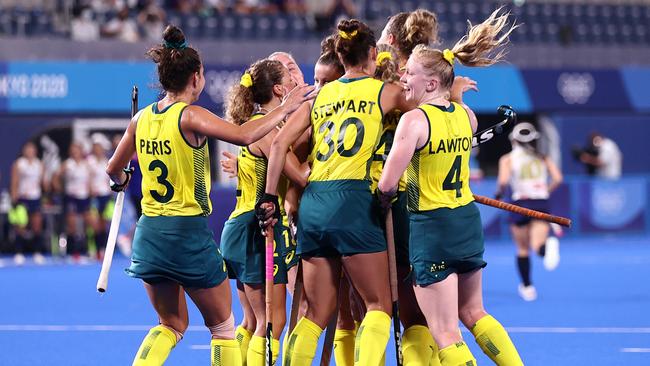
{"points": [[412, 29], [387, 68], [241, 100], [353, 42], [328, 56], [481, 46], [176, 61]]}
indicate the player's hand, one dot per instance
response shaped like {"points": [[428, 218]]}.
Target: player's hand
{"points": [[296, 97], [461, 85], [229, 164], [386, 200], [267, 211], [128, 172]]}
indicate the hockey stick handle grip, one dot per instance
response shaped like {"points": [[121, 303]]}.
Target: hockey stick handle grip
{"points": [[523, 211]]}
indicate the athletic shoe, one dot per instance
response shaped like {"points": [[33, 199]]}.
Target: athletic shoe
{"points": [[528, 293], [552, 256], [19, 259], [39, 259]]}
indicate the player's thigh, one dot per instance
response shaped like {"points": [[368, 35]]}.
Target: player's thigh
{"points": [[321, 278], [439, 304], [538, 233], [168, 299], [409, 310], [520, 237], [369, 275], [214, 303]]}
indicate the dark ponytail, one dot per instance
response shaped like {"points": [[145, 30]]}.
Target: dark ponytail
{"points": [[175, 59], [353, 42]]}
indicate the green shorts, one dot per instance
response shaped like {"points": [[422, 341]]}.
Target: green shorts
{"points": [[401, 230], [445, 241], [339, 217], [242, 245], [177, 248]]}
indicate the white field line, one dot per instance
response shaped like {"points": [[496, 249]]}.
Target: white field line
{"points": [[635, 350], [200, 346], [200, 328]]}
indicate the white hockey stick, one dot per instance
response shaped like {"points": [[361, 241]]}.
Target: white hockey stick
{"points": [[102, 281]]}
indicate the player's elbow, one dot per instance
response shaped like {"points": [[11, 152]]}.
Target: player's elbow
{"points": [[113, 168]]}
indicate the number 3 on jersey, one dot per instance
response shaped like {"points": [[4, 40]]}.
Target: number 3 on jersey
{"points": [[339, 145], [454, 174], [162, 180]]}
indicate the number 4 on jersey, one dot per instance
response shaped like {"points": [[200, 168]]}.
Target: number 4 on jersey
{"points": [[454, 174]]}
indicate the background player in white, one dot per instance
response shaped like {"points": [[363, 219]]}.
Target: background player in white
{"points": [[74, 180], [99, 189], [26, 194], [527, 172]]}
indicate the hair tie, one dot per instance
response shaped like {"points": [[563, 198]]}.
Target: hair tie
{"points": [[448, 55], [175, 45], [346, 35], [246, 80], [384, 55]]}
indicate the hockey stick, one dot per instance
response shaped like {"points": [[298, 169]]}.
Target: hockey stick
{"points": [[328, 343], [102, 281], [508, 116], [523, 211], [269, 294], [392, 275], [295, 300]]}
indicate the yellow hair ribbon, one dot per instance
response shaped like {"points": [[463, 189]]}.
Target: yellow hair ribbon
{"points": [[346, 35], [449, 56], [246, 80], [384, 55]]}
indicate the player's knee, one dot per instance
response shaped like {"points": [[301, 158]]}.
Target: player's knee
{"points": [[177, 332], [469, 315], [223, 330], [176, 324]]}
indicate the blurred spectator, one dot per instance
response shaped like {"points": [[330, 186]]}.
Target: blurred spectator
{"points": [[83, 28], [121, 27], [152, 20], [325, 13], [601, 156]]}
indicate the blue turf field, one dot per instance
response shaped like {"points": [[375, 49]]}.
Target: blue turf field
{"points": [[593, 310]]}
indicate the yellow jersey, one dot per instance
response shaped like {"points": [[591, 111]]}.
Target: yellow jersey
{"points": [[251, 180], [175, 175], [383, 149], [347, 123], [438, 174]]}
